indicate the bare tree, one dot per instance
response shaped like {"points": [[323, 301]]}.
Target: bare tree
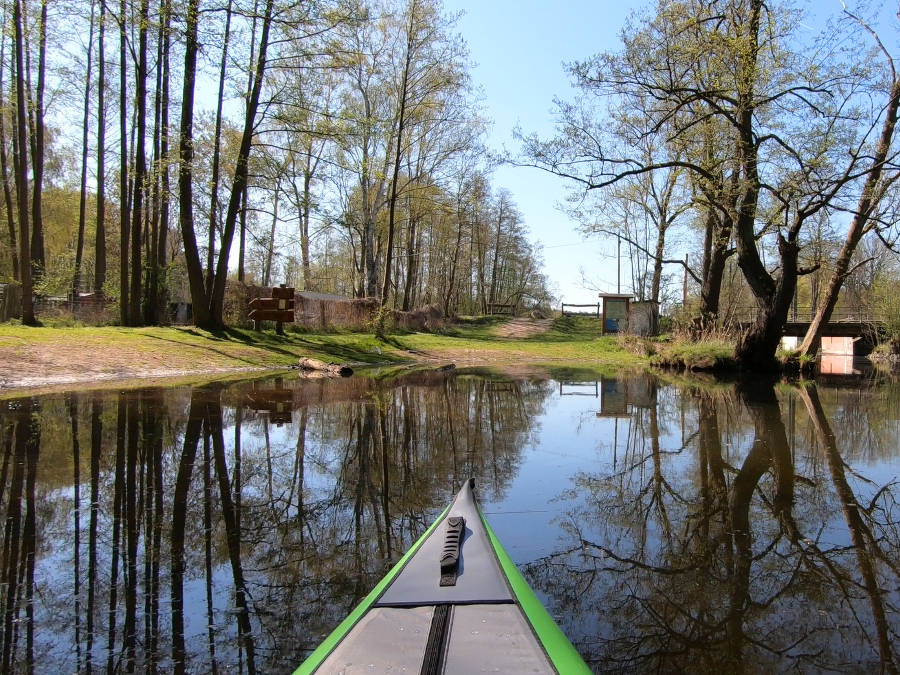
{"points": [[792, 137], [877, 182]]}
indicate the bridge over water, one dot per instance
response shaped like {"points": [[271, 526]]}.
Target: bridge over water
{"points": [[862, 327]]}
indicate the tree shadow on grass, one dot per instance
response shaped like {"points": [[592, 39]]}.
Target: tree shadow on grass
{"points": [[221, 352]]}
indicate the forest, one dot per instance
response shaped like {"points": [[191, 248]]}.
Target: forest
{"points": [[160, 151]]}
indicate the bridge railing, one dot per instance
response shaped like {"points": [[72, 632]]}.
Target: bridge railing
{"points": [[747, 314]]}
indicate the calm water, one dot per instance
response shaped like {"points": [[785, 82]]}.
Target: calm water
{"points": [[703, 527]]}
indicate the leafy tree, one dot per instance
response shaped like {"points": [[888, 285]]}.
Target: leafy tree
{"points": [[791, 125]]}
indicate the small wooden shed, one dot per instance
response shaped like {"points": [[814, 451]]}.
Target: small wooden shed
{"points": [[616, 308]]}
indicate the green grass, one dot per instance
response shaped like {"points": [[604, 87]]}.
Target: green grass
{"points": [[687, 355], [195, 348], [573, 339], [571, 345], [475, 326]]}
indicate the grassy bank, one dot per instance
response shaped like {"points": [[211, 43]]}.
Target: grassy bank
{"points": [[40, 357], [568, 339]]}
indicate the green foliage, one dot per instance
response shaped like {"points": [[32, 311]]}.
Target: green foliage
{"points": [[714, 354], [382, 322]]}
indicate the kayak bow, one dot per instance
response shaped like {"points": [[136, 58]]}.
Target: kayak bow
{"points": [[454, 603]]}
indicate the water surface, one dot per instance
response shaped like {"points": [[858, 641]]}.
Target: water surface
{"points": [[703, 526]]}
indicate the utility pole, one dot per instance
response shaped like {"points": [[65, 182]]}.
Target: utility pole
{"points": [[618, 264], [684, 283]]}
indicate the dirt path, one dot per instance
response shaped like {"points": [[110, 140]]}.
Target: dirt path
{"points": [[65, 362], [523, 328]]}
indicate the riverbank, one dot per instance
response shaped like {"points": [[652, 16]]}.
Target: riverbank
{"points": [[47, 358]]}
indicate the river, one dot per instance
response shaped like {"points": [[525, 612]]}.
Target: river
{"points": [[676, 524]]}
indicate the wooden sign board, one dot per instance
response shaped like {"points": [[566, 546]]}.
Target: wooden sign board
{"points": [[271, 303], [279, 315], [283, 293], [279, 308]]}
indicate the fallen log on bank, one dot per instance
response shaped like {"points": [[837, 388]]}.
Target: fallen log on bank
{"points": [[334, 369]]}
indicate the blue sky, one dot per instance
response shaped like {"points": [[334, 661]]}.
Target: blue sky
{"points": [[519, 47]]}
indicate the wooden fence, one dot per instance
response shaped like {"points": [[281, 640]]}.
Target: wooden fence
{"points": [[501, 308], [10, 301]]}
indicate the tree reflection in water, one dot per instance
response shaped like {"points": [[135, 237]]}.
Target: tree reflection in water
{"points": [[229, 527], [716, 527], [737, 551]]}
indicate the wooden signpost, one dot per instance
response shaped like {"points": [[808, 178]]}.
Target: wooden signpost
{"points": [[279, 308]]}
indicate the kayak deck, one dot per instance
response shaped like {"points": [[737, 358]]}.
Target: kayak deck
{"points": [[482, 638], [455, 603]]}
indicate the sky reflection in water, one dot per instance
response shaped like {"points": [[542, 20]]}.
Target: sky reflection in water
{"points": [[701, 527]]}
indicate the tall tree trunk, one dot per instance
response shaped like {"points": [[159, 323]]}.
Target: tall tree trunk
{"points": [[8, 201], [199, 297], [241, 173], [242, 243], [755, 350], [140, 167], [162, 260], [481, 259], [868, 201], [267, 274], [305, 213], [217, 141], [100, 234], [124, 305], [411, 264], [718, 233], [368, 253], [38, 258], [493, 296], [246, 190], [451, 281], [82, 201], [401, 123], [21, 171], [152, 313]]}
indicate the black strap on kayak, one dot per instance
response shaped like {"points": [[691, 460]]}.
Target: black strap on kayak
{"points": [[438, 639], [456, 527]]}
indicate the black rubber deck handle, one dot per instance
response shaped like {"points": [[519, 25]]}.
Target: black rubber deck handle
{"points": [[456, 527]]}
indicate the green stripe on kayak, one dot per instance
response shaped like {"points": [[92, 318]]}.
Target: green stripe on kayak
{"points": [[563, 655], [323, 650]]}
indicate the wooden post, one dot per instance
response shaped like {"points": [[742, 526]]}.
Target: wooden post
{"points": [[603, 319], [627, 314], [279, 326]]}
